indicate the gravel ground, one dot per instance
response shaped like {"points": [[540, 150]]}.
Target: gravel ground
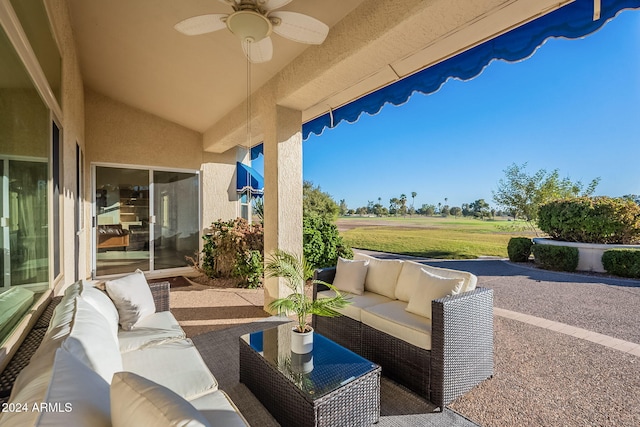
{"points": [[543, 378]]}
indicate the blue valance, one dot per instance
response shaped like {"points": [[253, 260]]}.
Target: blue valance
{"points": [[248, 178], [256, 150], [572, 21]]}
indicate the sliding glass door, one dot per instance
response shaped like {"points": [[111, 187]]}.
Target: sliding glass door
{"points": [[24, 235], [144, 219], [176, 228]]}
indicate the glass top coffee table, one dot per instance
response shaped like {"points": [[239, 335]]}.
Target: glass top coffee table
{"points": [[330, 386]]}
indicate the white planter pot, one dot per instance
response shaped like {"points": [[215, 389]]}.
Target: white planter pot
{"points": [[301, 342], [590, 254]]}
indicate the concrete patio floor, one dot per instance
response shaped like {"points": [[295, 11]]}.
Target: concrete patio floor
{"points": [[567, 346]]}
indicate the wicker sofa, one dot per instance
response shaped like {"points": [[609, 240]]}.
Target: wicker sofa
{"points": [[441, 357], [89, 371]]}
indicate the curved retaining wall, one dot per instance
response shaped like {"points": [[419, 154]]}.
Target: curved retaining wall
{"points": [[590, 253]]}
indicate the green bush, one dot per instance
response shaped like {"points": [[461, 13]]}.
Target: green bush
{"points": [[234, 248], [322, 242], [519, 249], [591, 220], [560, 258], [622, 262]]}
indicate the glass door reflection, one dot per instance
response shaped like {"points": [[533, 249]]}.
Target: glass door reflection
{"points": [[122, 220], [176, 227]]}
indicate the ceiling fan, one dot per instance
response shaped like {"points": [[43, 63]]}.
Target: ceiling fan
{"points": [[253, 21]]}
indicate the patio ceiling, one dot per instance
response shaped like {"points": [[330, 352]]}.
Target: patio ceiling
{"points": [[130, 52]]}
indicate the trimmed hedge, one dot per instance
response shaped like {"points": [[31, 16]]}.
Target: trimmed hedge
{"points": [[519, 249], [559, 258], [622, 262], [591, 220]]}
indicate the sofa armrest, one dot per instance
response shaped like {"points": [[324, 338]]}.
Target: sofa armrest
{"points": [[461, 343], [324, 274], [160, 292]]}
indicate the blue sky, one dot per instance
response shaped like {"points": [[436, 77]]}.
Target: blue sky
{"points": [[573, 106]]}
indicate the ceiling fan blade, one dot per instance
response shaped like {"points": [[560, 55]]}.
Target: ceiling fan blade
{"points": [[300, 28], [274, 4], [261, 51], [231, 3], [202, 24]]}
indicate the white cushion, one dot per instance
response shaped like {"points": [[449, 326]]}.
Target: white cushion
{"points": [[132, 297], [101, 302], [219, 410], [470, 280], [137, 401], [431, 287], [72, 382], [176, 365], [152, 330], [79, 394], [382, 275], [392, 318], [357, 302], [350, 275], [92, 342], [408, 280]]}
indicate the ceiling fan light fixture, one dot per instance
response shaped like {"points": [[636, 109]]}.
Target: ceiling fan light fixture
{"points": [[249, 25]]}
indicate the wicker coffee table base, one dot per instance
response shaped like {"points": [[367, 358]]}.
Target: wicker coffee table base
{"points": [[357, 403]]}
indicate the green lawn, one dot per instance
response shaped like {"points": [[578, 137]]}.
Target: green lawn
{"points": [[432, 237]]}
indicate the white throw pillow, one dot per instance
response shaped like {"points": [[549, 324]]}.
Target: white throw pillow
{"points": [[350, 275], [77, 395], [132, 297], [382, 276], [137, 401], [431, 287]]}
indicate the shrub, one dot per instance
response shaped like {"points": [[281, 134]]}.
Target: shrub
{"points": [[234, 248], [591, 220], [322, 242], [622, 262], [560, 258], [519, 249]]}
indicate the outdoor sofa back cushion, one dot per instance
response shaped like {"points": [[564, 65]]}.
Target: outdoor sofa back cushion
{"points": [[137, 401], [101, 302], [382, 275], [66, 381], [431, 287], [92, 342], [350, 275], [132, 297]]}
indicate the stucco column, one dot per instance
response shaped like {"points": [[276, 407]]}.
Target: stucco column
{"points": [[282, 189]]}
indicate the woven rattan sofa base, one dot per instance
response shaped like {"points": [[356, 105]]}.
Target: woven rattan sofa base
{"points": [[461, 354], [357, 403]]}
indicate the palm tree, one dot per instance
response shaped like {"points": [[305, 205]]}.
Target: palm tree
{"points": [[297, 271], [413, 197]]}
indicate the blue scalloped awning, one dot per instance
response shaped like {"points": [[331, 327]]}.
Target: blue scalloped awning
{"points": [[572, 21], [248, 178]]}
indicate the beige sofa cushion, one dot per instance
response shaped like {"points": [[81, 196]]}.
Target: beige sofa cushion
{"points": [[358, 302], [382, 275], [350, 275], [410, 274], [152, 330], [176, 365], [393, 319], [219, 410], [431, 287], [101, 302], [137, 401]]}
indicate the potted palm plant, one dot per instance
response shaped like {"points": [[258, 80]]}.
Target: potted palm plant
{"points": [[296, 272]]}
